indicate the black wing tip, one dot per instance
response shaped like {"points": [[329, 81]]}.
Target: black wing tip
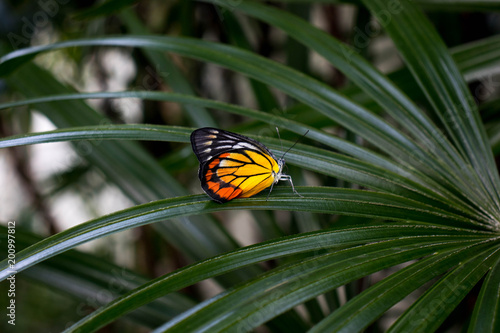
{"points": [[197, 132], [205, 129]]}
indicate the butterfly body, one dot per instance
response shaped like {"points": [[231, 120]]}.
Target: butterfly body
{"points": [[234, 166]]}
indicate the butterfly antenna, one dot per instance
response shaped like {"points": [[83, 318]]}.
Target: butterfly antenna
{"points": [[296, 141], [279, 137]]}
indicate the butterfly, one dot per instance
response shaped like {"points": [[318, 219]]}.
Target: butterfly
{"points": [[234, 166]]}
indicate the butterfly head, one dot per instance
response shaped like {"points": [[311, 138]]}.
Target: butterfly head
{"points": [[277, 175]]}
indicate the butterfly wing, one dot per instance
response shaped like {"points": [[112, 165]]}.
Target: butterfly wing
{"points": [[232, 165]]}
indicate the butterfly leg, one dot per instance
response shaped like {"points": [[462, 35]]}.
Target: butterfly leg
{"points": [[289, 178], [272, 185]]}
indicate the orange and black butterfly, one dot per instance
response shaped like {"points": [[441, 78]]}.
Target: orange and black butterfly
{"points": [[234, 166]]}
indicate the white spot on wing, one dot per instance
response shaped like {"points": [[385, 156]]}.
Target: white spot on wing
{"points": [[225, 141], [223, 147], [242, 145]]}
